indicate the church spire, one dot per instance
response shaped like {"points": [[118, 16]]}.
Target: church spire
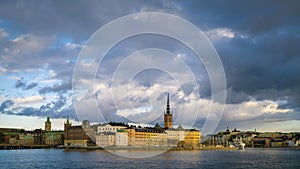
{"points": [[168, 105], [48, 119], [168, 119], [68, 122]]}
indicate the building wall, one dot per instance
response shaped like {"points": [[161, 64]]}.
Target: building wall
{"points": [[122, 138], [105, 140], [192, 138], [75, 136], [109, 128], [54, 138], [146, 138], [131, 137], [276, 144], [25, 139]]}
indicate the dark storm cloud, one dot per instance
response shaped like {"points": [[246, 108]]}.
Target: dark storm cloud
{"points": [[20, 83], [250, 17], [267, 64], [6, 104], [264, 54], [57, 88], [55, 109], [76, 19], [260, 62], [31, 85]]}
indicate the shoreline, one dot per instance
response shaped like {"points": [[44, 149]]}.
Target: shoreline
{"points": [[93, 148]]}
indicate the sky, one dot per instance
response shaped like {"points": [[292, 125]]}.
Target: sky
{"points": [[257, 43]]}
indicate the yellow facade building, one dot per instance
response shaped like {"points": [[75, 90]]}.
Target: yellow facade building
{"points": [[146, 137]]}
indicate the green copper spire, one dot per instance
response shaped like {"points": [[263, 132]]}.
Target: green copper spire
{"points": [[48, 119], [68, 122]]}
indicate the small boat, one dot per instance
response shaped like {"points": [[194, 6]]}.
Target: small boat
{"points": [[240, 145]]}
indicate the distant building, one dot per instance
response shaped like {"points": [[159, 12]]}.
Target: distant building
{"points": [[54, 138], [25, 139], [111, 127], [192, 137], [75, 135], [88, 129], [106, 134], [10, 135], [186, 137], [48, 124], [39, 136], [105, 139], [146, 137], [121, 138]]}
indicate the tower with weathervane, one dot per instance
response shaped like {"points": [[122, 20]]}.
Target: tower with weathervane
{"points": [[168, 117], [48, 124]]}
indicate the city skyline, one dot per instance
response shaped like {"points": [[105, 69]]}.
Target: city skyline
{"points": [[257, 43]]}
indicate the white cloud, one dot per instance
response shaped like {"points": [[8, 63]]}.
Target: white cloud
{"points": [[73, 46], [219, 33], [29, 101], [252, 110]]}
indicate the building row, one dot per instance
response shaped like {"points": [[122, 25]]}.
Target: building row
{"points": [[254, 139], [107, 134], [121, 134], [11, 136]]}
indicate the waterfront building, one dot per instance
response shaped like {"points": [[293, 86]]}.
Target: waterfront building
{"points": [[75, 135], [107, 134], [54, 138], [10, 135], [111, 127], [48, 124], [174, 136], [186, 137], [261, 142], [25, 139], [192, 138], [105, 139], [121, 138], [88, 129], [146, 137], [39, 136]]}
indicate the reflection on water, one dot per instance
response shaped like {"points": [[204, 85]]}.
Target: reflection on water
{"points": [[57, 158]]}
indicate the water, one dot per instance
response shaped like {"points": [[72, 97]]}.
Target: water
{"points": [[57, 158]]}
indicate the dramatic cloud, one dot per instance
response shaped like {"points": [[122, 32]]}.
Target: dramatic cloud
{"points": [[20, 83], [58, 88], [6, 104], [31, 85], [257, 41], [58, 108]]}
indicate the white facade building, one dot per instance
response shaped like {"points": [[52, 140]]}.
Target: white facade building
{"points": [[110, 127], [121, 138], [105, 139]]}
